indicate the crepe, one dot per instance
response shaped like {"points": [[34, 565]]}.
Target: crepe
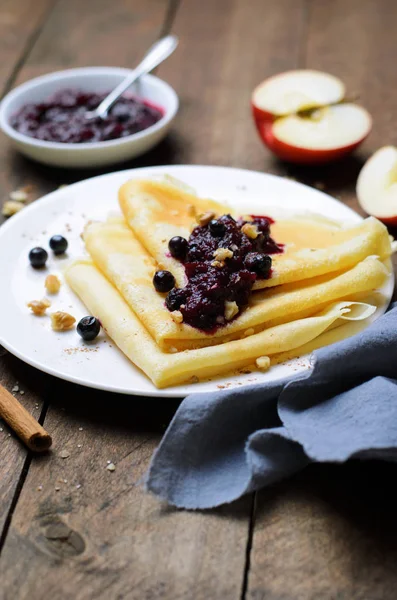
{"points": [[123, 260], [127, 331], [157, 211]]}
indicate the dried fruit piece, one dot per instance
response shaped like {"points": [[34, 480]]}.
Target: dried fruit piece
{"points": [[52, 284], [62, 321], [39, 307]]}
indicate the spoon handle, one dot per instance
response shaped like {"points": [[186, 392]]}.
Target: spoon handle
{"points": [[156, 54]]}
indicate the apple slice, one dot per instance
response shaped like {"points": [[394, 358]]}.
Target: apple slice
{"points": [[377, 185], [294, 91], [325, 135]]}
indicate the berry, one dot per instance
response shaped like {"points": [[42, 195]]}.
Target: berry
{"points": [[178, 247], [163, 281], [38, 257], [175, 299], [217, 228], [258, 263], [88, 328], [58, 244]]}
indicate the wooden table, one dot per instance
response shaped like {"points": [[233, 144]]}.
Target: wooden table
{"points": [[70, 528]]}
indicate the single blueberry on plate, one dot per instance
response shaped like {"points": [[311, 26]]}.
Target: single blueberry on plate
{"points": [[88, 328], [58, 244], [163, 281], [38, 257], [178, 247]]}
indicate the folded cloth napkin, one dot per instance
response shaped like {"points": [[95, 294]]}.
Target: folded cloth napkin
{"points": [[221, 445]]}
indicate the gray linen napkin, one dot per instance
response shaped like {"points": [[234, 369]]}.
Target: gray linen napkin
{"points": [[224, 444]]}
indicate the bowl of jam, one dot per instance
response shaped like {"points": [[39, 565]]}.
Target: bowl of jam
{"points": [[45, 117]]}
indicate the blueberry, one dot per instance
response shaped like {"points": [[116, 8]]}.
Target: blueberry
{"points": [[175, 299], [163, 281], [38, 257], [88, 328], [178, 247], [58, 244], [258, 263], [217, 228]]}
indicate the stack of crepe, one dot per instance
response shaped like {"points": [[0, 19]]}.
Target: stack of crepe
{"points": [[323, 278]]}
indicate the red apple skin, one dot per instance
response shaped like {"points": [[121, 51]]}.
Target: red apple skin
{"points": [[295, 154]]}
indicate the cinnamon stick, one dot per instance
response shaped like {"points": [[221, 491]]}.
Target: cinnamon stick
{"points": [[24, 425]]}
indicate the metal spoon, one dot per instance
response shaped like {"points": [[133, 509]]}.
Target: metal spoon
{"points": [[155, 55]]}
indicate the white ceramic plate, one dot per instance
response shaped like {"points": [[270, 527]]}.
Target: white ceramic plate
{"points": [[65, 211]]}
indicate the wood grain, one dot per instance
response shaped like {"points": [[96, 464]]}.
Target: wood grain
{"points": [[330, 534], [20, 20], [100, 534]]}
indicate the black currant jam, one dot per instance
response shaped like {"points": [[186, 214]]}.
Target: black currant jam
{"points": [[215, 280], [62, 118]]}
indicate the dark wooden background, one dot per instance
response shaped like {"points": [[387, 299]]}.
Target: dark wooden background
{"points": [[328, 533]]}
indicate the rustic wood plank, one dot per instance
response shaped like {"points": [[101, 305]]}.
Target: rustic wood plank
{"points": [[330, 533], [20, 20], [108, 538]]}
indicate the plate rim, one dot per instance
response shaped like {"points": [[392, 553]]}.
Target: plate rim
{"points": [[49, 198]]}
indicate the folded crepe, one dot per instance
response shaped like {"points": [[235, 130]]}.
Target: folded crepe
{"points": [[119, 255], [164, 369], [157, 211]]}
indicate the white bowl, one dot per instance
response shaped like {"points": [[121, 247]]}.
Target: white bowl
{"points": [[96, 154]]}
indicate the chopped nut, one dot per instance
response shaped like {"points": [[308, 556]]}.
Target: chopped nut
{"points": [[251, 231], [15, 388], [38, 307], [222, 254], [64, 454], [218, 264], [111, 467], [205, 218], [194, 379], [231, 310], [191, 210], [177, 316], [11, 207], [173, 350], [62, 321], [19, 195], [52, 284], [263, 363]]}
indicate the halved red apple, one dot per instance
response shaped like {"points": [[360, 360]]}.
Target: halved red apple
{"points": [[298, 117], [294, 91], [377, 185]]}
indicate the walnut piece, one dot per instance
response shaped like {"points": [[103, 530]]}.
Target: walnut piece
{"points": [[263, 363], [250, 230], [222, 254], [38, 307], [177, 316], [19, 195], [52, 284], [11, 207], [62, 321], [231, 310], [205, 218], [218, 264]]}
